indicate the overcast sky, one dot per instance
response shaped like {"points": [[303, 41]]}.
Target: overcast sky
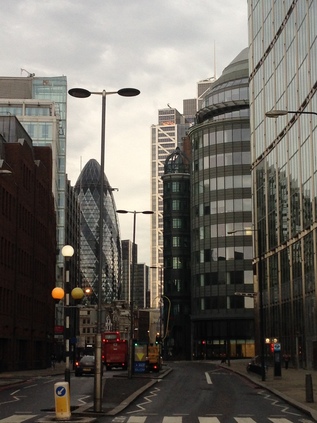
{"points": [[161, 47]]}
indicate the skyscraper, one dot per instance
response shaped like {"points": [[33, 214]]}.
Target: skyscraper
{"points": [[283, 75], [40, 105], [87, 188], [166, 136], [222, 322]]}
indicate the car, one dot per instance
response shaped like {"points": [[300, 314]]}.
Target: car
{"points": [[85, 366]]}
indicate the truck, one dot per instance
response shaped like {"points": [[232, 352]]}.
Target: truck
{"points": [[115, 354], [154, 358]]}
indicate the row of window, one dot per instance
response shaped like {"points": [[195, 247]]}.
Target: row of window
{"points": [[222, 303], [222, 182], [239, 93], [224, 253], [236, 277], [222, 159], [221, 134], [223, 206]]}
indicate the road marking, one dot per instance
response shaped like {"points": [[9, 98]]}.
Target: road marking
{"points": [[208, 420], [17, 419], [173, 419], [244, 420], [208, 378], [137, 419], [277, 420]]}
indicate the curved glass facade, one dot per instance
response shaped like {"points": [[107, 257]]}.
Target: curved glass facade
{"points": [[88, 190], [223, 322], [283, 76]]}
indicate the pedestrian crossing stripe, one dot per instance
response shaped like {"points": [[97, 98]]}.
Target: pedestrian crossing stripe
{"points": [[17, 418], [208, 419]]}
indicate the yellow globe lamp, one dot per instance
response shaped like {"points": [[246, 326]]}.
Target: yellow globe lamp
{"points": [[77, 293], [58, 293]]}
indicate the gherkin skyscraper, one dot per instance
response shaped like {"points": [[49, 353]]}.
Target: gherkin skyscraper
{"points": [[88, 190]]}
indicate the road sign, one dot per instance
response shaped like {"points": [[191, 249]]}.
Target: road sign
{"points": [[62, 400], [277, 347]]}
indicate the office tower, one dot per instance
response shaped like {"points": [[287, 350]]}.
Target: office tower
{"points": [[27, 250], [40, 105], [166, 135], [87, 188], [177, 270], [127, 251], [222, 322], [283, 75]]}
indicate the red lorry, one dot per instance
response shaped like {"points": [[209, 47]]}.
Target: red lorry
{"points": [[114, 352]]}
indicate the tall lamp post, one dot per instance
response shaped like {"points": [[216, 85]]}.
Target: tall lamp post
{"points": [[83, 93], [130, 367], [67, 252], [260, 288]]}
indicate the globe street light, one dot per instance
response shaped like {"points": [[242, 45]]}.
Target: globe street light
{"points": [[130, 367], [83, 93]]}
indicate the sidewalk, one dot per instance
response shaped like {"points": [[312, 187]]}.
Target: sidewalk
{"points": [[119, 390]]}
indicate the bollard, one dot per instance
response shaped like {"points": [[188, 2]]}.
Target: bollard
{"points": [[62, 401], [309, 388]]}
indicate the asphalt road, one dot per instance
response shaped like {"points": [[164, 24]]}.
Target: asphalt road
{"points": [[205, 393], [28, 401], [193, 392]]}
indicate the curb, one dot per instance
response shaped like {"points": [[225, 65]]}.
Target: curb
{"points": [[84, 410]]}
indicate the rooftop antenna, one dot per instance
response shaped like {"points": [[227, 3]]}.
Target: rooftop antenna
{"points": [[29, 74]]}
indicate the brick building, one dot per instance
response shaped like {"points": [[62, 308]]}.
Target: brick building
{"points": [[27, 249]]}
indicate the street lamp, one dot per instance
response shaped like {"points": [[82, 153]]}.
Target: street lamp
{"points": [[130, 368], [67, 252], [277, 113], [260, 288], [83, 93]]}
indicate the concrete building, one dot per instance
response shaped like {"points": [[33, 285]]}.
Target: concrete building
{"points": [[27, 250], [221, 263], [283, 75]]}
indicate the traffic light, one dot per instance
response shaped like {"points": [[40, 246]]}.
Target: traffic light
{"points": [[272, 347]]}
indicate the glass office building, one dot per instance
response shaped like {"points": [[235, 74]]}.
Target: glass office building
{"points": [[88, 190], [40, 105], [221, 256], [283, 75]]}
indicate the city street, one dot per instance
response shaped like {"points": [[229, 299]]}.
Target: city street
{"points": [[200, 392], [205, 393], [28, 401]]}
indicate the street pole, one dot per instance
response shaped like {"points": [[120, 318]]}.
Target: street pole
{"points": [[67, 252], [98, 355], [131, 337], [84, 93], [130, 367], [261, 311]]}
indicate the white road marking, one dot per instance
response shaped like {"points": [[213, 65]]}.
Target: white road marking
{"points": [[208, 378], [17, 419]]}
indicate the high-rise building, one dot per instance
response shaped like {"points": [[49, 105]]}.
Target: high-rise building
{"points": [[166, 136], [221, 262], [283, 75], [87, 188], [177, 269], [27, 250], [40, 105]]}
